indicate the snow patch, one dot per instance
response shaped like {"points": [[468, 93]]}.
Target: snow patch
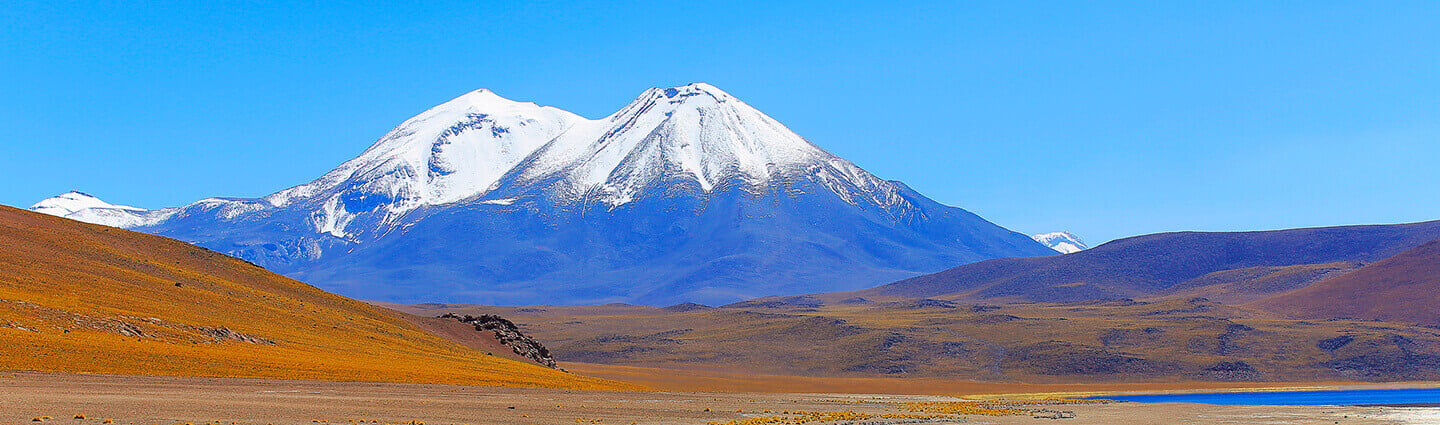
{"points": [[1062, 242], [75, 201], [80, 206]]}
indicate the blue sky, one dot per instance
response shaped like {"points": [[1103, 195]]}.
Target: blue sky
{"points": [[1105, 119]]}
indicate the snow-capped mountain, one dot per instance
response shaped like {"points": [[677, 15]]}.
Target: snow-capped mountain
{"points": [[1062, 242], [75, 201], [84, 207], [685, 194], [456, 151]]}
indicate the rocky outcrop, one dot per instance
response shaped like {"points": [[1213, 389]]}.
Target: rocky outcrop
{"points": [[223, 333], [1230, 371], [508, 334]]}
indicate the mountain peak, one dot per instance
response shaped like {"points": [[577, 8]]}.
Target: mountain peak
{"points": [[480, 102], [74, 201], [1062, 242], [665, 102], [81, 206], [695, 136], [454, 151], [693, 89], [482, 99]]}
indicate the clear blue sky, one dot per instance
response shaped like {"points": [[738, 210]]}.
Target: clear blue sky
{"points": [[1109, 120]]}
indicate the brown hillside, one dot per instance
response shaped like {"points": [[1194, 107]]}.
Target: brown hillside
{"points": [[1239, 286], [76, 297], [1403, 288], [1177, 340]]}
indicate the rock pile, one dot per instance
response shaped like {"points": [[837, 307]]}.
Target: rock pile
{"points": [[223, 333], [508, 334]]}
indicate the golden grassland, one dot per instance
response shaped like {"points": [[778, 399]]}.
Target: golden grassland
{"points": [[76, 297], [918, 412]]}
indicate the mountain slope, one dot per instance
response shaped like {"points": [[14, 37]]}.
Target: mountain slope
{"points": [[1154, 264], [1402, 288], [76, 297], [687, 194], [1174, 340]]}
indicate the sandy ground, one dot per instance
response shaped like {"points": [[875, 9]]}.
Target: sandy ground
{"points": [[172, 401], [683, 380]]}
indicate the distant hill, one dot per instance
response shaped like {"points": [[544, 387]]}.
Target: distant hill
{"points": [[1402, 288], [78, 297], [1170, 264]]}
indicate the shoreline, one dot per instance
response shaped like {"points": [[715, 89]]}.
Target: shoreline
{"points": [[717, 381]]}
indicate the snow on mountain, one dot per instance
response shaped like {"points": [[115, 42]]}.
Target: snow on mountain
{"points": [[454, 151], [84, 207], [464, 148], [687, 194], [1062, 242], [74, 201], [696, 134]]}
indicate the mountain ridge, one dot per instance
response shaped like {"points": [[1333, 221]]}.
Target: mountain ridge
{"points": [[1400, 288], [686, 194], [1149, 265]]}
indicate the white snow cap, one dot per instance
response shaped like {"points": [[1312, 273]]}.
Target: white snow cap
{"points": [[1062, 242], [74, 201], [466, 148], [696, 133], [76, 205], [450, 152], [470, 146]]}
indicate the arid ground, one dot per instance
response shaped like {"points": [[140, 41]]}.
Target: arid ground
{"points": [[177, 400]]}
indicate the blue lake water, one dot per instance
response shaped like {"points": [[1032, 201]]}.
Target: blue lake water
{"points": [[1426, 396]]}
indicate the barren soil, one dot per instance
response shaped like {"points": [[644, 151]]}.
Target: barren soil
{"points": [[176, 400]]}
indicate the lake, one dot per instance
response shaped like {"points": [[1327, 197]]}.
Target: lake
{"points": [[1398, 397]]}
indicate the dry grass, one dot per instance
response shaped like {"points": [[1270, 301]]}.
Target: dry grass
{"points": [[83, 298], [1176, 340]]}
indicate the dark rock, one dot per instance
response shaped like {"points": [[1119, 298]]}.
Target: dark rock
{"points": [[684, 307], [798, 301], [508, 334], [223, 333]]}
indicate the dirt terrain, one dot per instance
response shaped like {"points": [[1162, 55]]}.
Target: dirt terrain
{"points": [[178, 400], [689, 380], [1176, 340]]}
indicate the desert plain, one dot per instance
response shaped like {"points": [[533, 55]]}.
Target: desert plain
{"points": [[59, 398]]}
